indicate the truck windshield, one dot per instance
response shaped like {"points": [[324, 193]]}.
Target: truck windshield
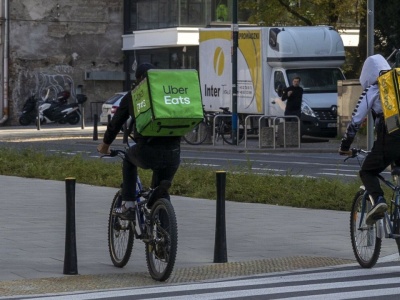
{"points": [[317, 80]]}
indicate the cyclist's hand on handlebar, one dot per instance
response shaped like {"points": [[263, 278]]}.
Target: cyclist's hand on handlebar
{"points": [[103, 148]]}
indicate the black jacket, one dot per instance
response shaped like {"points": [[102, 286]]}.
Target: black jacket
{"points": [[294, 100], [122, 114]]}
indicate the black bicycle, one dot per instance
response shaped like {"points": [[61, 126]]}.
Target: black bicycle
{"points": [[223, 128], [366, 239], [155, 224]]}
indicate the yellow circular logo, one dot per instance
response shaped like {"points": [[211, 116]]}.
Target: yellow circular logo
{"points": [[219, 61]]}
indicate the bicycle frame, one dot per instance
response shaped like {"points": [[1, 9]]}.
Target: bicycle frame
{"points": [[140, 218]]}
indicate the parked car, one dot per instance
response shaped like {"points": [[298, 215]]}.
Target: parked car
{"points": [[110, 106]]}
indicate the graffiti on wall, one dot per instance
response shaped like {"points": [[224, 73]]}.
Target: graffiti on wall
{"points": [[44, 85]]}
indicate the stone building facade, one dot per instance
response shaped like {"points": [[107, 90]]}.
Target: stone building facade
{"points": [[60, 45], [93, 46]]}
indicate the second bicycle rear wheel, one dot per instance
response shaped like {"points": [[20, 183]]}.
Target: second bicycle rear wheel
{"points": [[227, 133], [120, 235], [162, 246], [364, 240]]}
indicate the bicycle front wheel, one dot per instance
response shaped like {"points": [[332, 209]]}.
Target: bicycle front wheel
{"points": [[162, 246], [396, 225], [197, 135], [120, 235], [366, 245]]}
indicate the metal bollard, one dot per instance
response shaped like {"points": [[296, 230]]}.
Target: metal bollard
{"points": [[70, 257], [38, 120], [220, 249], [95, 132], [83, 116]]}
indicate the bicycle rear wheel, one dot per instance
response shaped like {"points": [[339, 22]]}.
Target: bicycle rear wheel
{"points": [[197, 135], [120, 235], [366, 245], [226, 131], [162, 246]]}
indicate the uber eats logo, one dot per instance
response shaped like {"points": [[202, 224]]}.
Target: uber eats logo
{"points": [[140, 104], [175, 95]]}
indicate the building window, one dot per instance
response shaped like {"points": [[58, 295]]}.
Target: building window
{"points": [[154, 14], [221, 11], [169, 58], [193, 12]]}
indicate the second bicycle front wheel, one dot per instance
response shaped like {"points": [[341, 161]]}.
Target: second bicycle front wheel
{"points": [[120, 235], [197, 135], [364, 240], [163, 243]]}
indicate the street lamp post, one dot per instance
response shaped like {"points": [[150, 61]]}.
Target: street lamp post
{"points": [[370, 51], [235, 38]]}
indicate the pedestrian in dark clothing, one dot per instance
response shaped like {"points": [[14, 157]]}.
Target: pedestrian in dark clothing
{"points": [[293, 95], [160, 154]]}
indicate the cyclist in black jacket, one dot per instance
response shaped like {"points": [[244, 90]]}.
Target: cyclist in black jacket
{"points": [[160, 154]]}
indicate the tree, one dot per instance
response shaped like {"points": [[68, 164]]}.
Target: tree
{"points": [[302, 12], [336, 13], [387, 26]]}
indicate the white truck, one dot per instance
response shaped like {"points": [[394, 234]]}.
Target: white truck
{"points": [[268, 59]]}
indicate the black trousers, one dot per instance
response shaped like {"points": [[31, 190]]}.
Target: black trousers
{"points": [[163, 160], [293, 113], [385, 151]]}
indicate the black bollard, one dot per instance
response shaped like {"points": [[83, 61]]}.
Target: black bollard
{"points": [[220, 249], [95, 133], [83, 116], [38, 120], [70, 257]]}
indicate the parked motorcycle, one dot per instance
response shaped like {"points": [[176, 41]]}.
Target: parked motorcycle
{"points": [[50, 111], [29, 111]]}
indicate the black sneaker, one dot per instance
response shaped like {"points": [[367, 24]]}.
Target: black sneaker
{"points": [[377, 212], [125, 213]]}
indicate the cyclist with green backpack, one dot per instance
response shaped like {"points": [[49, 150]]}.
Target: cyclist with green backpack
{"points": [[161, 154]]}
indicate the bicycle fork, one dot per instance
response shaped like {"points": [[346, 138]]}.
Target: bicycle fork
{"points": [[383, 225]]}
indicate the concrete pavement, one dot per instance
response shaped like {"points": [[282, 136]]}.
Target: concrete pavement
{"points": [[260, 238]]}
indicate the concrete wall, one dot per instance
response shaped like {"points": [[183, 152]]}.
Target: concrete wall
{"points": [[53, 43], [349, 92]]}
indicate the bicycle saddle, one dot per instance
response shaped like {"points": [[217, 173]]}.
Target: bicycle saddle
{"points": [[159, 192]]}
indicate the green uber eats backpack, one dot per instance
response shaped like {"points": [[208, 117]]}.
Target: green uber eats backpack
{"points": [[167, 103]]}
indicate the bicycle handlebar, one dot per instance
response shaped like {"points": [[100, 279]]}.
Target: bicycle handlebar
{"points": [[114, 153], [354, 152]]}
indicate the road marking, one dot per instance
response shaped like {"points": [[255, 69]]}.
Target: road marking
{"points": [[328, 284], [338, 174]]}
